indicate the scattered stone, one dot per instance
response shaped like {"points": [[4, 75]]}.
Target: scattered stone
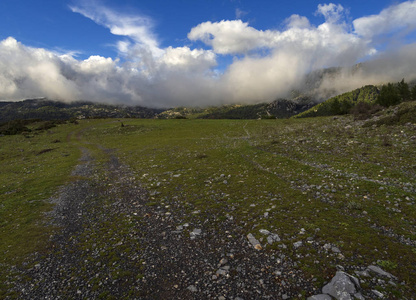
{"points": [[264, 231], [272, 238], [221, 272], [195, 233], [320, 297], [254, 241], [380, 271], [378, 294], [335, 250], [192, 288], [297, 244]]}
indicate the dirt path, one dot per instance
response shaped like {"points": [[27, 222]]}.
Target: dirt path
{"points": [[113, 242]]}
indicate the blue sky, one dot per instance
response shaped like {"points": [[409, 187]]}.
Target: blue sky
{"points": [[200, 52]]}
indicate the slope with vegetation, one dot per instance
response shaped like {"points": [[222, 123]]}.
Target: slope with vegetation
{"points": [[280, 108], [342, 104], [363, 101]]}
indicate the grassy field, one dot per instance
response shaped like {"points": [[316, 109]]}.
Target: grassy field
{"points": [[320, 181]]}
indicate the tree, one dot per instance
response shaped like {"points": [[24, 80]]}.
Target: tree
{"points": [[403, 90], [413, 93], [388, 96]]}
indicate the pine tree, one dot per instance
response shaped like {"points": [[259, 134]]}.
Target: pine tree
{"points": [[403, 90], [413, 93], [388, 95]]}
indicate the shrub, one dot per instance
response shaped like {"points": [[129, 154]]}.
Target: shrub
{"points": [[364, 110]]}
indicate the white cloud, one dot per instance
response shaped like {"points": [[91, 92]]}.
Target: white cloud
{"points": [[232, 37], [296, 21], [184, 57], [333, 13], [325, 45], [136, 27], [400, 17], [270, 63], [28, 72]]}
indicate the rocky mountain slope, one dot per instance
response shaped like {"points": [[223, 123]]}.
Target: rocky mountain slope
{"points": [[55, 110]]}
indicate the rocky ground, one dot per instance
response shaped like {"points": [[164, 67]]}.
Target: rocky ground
{"points": [[112, 242], [154, 255]]}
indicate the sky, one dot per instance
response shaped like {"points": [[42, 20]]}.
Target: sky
{"points": [[202, 52]]}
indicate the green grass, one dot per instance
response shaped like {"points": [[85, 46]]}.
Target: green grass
{"points": [[354, 181], [320, 173], [32, 169]]}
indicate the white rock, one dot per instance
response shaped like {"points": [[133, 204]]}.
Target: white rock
{"points": [[297, 244]]}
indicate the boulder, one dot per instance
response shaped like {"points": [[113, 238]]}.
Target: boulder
{"points": [[343, 287]]}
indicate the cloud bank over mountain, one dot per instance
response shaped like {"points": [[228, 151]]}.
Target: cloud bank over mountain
{"points": [[264, 64]]}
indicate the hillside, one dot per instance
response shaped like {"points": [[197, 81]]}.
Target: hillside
{"points": [[280, 109], [55, 110], [341, 104]]}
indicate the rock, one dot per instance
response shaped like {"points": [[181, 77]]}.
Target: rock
{"points": [[272, 238], [378, 294], [221, 272], [362, 273], [320, 297], [284, 297], [297, 244], [192, 288], [254, 241], [380, 271], [264, 231], [342, 286], [195, 233], [335, 250]]}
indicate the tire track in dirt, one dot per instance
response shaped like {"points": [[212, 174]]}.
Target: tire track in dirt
{"points": [[111, 243]]}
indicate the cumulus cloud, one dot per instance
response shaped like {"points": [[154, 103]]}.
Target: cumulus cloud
{"points": [[394, 19], [266, 64], [333, 13], [27, 72], [232, 37]]}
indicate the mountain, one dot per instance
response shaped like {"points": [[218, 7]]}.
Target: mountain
{"points": [[343, 103], [54, 110], [280, 108]]}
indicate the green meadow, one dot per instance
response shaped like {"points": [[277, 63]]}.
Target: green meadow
{"points": [[326, 180]]}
